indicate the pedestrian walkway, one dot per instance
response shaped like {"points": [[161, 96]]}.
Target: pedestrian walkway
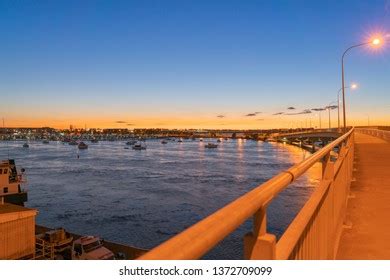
{"points": [[367, 229]]}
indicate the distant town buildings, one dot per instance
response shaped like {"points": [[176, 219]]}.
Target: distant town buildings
{"points": [[52, 134]]}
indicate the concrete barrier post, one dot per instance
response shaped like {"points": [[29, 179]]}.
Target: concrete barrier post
{"points": [[260, 245]]}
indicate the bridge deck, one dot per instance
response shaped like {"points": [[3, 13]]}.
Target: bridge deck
{"points": [[369, 208]]}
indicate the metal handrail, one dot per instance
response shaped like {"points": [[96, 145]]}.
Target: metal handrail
{"points": [[292, 235], [383, 134], [197, 240]]}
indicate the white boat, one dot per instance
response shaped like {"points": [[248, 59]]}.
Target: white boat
{"points": [[211, 146]]}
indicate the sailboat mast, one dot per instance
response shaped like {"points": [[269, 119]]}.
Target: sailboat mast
{"points": [[6, 141]]}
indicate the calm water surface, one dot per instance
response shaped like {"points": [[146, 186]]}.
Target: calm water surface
{"points": [[142, 198]]}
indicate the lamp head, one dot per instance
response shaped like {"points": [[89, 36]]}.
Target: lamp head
{"points": [[376, 41]]}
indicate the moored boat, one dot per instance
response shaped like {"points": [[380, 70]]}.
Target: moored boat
{"points": [[82, 146], [59, 239], [11, 183], [25, 145], [139, 146], [119, 250], [211, 146]]}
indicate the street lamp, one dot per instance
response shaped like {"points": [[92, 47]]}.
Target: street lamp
{"points": [[319, 121], [374, 42], [318, 110], [353, 86], [329, 108]]}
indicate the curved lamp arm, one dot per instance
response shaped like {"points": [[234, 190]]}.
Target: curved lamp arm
{"points": [[342, 78]]}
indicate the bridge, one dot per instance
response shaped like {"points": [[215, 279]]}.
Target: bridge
{"points": [[311, 134], [308, 139], [346, 217]]}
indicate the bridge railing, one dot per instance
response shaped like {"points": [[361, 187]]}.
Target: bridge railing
{"points": [[313, 234], [384, 134], [310, 133]]}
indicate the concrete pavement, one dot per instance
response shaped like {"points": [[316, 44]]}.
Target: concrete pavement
{"points": [[367, 234]]}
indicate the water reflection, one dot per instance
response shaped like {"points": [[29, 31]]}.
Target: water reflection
{"points": [[145, 197]]}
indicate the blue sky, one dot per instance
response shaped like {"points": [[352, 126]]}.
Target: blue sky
{"points": [[154, 62]]}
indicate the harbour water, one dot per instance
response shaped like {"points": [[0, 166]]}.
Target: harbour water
{"points": [[142, 198]]}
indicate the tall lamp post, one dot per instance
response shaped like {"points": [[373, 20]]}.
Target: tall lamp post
{"points": [[329, 108], [319, 119], [353, 86], [318, 111], [374, 42]]}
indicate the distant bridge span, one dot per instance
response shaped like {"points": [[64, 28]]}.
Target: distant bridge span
{"points": [[309, 134]]}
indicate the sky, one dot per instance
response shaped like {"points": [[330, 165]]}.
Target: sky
{"points": [[191, 64]]}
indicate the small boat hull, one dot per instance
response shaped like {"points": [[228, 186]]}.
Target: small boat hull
{"points": [[211, 146], [82, 146], [15, 198], [139, 148]]}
